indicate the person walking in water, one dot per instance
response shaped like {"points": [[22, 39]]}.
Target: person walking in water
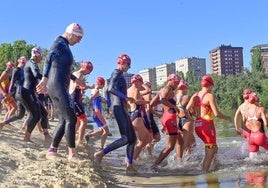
{"points": [[256, 123], [149, 119], [186, 124], [202, 106], [137, 111], [169, 118], [117, 90], [56, 76], [96, 101], [239, 118], [76, 92]]}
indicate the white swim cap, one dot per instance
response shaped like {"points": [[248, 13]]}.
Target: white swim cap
{"points": [[76, 29], [36, 51]]}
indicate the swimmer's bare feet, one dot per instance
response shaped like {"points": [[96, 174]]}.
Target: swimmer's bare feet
{"points": [[154, 168], [27, 137], [98, 156], [52, 153], [73, 159], [130, 170]]}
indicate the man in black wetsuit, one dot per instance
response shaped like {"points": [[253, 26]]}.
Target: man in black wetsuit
{"points": [[57, 75], [117, 90], [28, 98], [16, 83]]}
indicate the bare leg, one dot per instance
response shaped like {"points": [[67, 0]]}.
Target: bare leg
{"points": [[171, 141], [27, 137], [209, 156], [72, 158], [98, 156], [179, 147], [104, 136]]}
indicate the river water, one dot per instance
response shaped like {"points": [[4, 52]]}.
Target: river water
{"points": [[232, 167]]}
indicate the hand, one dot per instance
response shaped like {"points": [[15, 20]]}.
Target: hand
{"points": [[41, 86], [238, 132]]}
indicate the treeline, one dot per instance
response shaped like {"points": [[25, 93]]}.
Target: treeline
{"points": [[228, 89], [12, 51]]}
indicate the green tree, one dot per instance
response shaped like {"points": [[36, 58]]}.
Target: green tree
{"points": [[256, 63], [11, 52], [6, 52]]}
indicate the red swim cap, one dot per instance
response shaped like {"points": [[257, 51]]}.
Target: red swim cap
{"points": [[246, 93], [10, 64], [207, 81], [100, 81], [183, 85], [87, 65], [253, 98], [124, 59], [136, 78], [174, 78]]}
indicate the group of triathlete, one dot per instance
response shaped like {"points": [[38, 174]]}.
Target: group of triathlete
{"points": [[133, 107]]}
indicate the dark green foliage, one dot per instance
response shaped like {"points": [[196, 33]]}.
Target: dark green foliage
{"points": [[227, 90], [11, 52]]}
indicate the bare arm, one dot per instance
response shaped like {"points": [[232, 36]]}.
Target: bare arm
{"points": [[215, 109], [146, 90], [237, 117], [164, 96], [3, 77]]}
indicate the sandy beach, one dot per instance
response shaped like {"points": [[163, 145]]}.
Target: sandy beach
{"points": [[23, 164]]}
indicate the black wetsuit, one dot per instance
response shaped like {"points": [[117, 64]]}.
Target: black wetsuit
{"points": [[57, 68], [117, 90], [16, 83], [78, 103], [27, 94]]}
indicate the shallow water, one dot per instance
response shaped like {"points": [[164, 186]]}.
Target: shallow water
{"points": [[232, 167]]}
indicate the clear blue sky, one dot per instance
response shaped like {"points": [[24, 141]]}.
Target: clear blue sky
{"points": [[152, 32]]}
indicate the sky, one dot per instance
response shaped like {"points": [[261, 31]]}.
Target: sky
{"points": [[151, 32]]}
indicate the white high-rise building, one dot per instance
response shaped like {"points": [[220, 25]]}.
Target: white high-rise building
{"points": [[162, 72], [195, 64]]}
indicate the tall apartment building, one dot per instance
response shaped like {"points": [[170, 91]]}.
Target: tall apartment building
{"points": [[149, 75], [162, 72], [195, 64], [226, 60], [264, 56]]}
